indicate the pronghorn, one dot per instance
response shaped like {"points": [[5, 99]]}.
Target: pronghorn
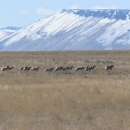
{"points": [[49, 70], [109, 67], [25, 68], [88, 68], [6, 68], [35, 69], [10, 68], [58, 69], [79, 69], [21, 69], [68, 68], [92, 67]]}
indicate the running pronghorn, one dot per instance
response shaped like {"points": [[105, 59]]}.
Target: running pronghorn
{"points": [[68, 68], [92, 67], [6, 68], [49, 70], [109, 67], [89, 68], [79, 69], [25, 69], [21, 69], [35, 69], [58, 69]]}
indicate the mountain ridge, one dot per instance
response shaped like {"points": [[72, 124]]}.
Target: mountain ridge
{"points": [[105, 13], [73, 29]]}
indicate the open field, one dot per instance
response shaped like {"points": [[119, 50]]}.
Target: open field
{"points": [[98, 100]]}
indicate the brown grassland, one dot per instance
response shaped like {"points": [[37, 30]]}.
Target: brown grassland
{"points": [[98, 100]]}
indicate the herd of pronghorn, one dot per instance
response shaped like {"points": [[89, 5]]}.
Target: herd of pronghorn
{"points": [[57, 69]]}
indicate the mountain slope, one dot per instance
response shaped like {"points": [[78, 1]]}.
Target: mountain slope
{"points": [[73, 30]]}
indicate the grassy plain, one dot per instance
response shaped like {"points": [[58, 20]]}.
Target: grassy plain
{"points": [[98, 100]]}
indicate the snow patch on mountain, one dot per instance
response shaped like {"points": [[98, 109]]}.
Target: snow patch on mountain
{"points": [[118, 31]]}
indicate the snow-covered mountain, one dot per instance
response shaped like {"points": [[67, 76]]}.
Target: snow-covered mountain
{"points": [[72, 29]]}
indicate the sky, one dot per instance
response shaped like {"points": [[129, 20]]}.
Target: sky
{"points": [[18, 13]]}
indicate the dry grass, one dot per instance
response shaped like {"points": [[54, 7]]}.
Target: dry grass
{"points": [[65, 101]]}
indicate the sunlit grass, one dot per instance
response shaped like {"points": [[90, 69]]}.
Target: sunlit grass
{"points": [[77, 101]]}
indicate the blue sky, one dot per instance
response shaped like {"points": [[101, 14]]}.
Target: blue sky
{"points": [[21, 13]]}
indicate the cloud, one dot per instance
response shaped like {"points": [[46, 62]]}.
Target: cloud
{"points": [[102, 7], [43, 11], [74, 7]]}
